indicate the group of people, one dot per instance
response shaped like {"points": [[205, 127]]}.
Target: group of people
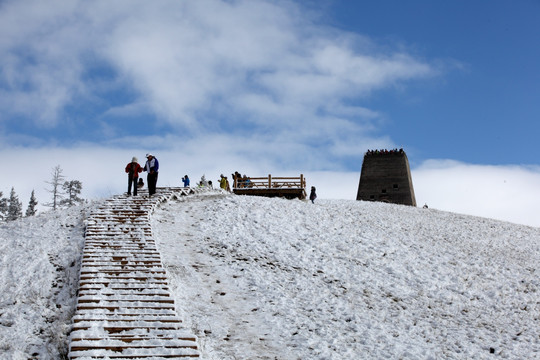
{"points": [[384, 152], [224, 183], [133, 169], [241, 181]]}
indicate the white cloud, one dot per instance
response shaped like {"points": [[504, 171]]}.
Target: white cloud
{"points": [[501, 192], [255, 85], [506, 193], [198, 65], [40, 46]]}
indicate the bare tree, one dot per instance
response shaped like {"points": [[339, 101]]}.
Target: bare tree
{"points": [[56, 184], [72, 189], [31, 209]]}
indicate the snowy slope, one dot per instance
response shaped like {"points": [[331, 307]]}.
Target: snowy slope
{"points": [[271, 278], [259, 278], [39, 266]]}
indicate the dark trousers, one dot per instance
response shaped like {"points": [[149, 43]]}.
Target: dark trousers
{"points": [[132, 181], [152, 181]]}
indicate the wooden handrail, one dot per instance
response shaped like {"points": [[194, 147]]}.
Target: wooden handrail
{"points": [[270, 182]]}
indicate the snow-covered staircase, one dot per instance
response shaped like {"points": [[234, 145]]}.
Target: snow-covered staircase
{"points": [[125, 310]]}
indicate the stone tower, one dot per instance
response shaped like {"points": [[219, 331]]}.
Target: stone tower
{"points": [[386, 177]]}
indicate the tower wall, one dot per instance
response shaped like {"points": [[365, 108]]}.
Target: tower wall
{"points": [[386, 177]]}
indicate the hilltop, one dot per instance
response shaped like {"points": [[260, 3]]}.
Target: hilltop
{"points": [[266, 278]]}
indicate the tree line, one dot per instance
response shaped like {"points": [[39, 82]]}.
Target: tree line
{"points": [[64, 194]]}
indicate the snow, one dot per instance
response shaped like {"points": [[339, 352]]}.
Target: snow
{"points": [[259, 278], [40, 261]]}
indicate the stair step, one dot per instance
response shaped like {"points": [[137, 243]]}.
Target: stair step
{"points": [[125, 309]]}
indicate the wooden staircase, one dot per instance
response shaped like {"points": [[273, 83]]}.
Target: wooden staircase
{"points": [[124, 309]]}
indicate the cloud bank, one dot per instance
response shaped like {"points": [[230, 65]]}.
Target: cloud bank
{"points": [[213, 86], [505, 193], [262, 72]]}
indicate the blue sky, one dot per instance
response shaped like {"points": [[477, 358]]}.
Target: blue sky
{"points": [[485, 105], [281, 87]]}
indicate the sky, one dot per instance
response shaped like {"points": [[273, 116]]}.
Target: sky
{"points": [[275, 87]]}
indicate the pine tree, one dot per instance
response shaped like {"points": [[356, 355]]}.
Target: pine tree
{"points": [[14, 211], [31, 210], [56, 183], [73, 190], [3, 207]]}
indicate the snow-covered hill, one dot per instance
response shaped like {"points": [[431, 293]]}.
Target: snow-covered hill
{"points": [[259, 278], [40, 262]]}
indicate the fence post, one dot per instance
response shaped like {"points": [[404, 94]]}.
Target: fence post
{"points": [[302, 185], [269, 181]]}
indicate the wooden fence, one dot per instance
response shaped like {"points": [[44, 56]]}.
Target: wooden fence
{"points": [[288, 187]]}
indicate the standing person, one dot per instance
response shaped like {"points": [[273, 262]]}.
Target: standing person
{"points": [[185, 180], [133, 169], [246, 181], [313, 195], [237, 180], [223, 182], [152, 167]]}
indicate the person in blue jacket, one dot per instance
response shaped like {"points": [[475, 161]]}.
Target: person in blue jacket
{"points": [[185, 180], [152, 168]]}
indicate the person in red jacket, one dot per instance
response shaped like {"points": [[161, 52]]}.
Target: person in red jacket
{"points": [[133, 169]]}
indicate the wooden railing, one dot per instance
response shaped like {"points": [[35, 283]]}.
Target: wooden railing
{"points": [[270, 182]]}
